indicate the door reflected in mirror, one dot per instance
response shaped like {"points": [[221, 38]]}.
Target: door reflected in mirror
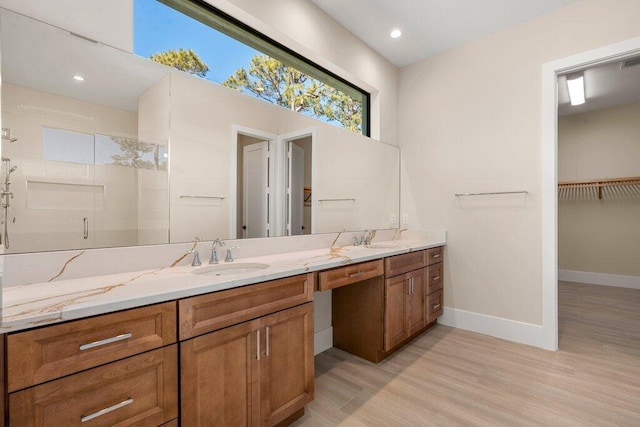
{"points": [[273, 176]]}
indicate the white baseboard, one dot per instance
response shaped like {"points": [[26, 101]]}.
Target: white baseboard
{"points": [[617, 280], [322, 340], [524, 333]]}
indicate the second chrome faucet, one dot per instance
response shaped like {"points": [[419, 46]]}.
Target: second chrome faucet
{"points": [[219, 243]]}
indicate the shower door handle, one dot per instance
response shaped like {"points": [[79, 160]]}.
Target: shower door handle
{"points": [[86, 228]]}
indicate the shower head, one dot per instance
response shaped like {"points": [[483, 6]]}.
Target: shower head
{"points": [[13, 169]]}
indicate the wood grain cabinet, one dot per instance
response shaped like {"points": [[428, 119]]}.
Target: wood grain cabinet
{"points": [[434, 306], [404, 307], [114, 369], [374, 317], [256, 373]]}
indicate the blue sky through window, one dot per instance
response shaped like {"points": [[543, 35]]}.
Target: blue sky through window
{"points": [[158, 28]]}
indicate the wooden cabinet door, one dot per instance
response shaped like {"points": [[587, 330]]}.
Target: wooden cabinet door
{"points": [[415, 300], [287, 363], [395, 311], [219, 377]]}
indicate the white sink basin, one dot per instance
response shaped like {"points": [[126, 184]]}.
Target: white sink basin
{"points": [[230, 268], [381, 246]]}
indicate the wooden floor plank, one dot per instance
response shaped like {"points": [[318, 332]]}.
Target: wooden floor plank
{"points": [[451, 377]]}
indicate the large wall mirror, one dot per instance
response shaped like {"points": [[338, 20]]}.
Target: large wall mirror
{"points": [[102, 148]]}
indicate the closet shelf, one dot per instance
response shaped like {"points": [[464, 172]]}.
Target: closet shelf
{"points": [[601, 183]]}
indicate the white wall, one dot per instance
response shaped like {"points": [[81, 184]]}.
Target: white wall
{"points": [[599, 235], [304, 28], [470, 122], [109, 22], [346, 165]]}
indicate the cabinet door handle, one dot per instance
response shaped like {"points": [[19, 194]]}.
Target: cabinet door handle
{"points": [[258, 344], [435, 278], [86, 228], [104, 411], [266, 353], [359, 273], [436, 255], [106, 341], [437, 306]]}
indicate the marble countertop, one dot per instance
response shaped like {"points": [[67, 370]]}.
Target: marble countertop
{"points": [[39, 304]]}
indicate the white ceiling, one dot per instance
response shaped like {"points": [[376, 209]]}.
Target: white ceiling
{"points": [[605, 86], [430, 26], [46, 58]]}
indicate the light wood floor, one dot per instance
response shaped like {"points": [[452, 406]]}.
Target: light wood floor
{"points": [[454, 377]]}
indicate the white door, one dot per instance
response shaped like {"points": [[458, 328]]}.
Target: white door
{"points": [[255, 187], [295, 189]]}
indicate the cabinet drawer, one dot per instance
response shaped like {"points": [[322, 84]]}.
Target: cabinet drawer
{"points": [[140, 390], [206, 313], [434, 255], [349, 274], [399, 264], [434, 306], [48, 353], [434, 277]]}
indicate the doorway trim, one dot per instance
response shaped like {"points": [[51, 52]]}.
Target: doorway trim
{"points": [[549, 162]]}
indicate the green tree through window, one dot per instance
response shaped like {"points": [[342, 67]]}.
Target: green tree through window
{"points": [[271, 80]]}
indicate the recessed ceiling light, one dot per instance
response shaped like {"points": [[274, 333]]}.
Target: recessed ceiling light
{"points": [[395, 33], [78, 77]]}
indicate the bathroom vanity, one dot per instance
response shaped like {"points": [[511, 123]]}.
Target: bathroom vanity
{"points": [[240, 355]]}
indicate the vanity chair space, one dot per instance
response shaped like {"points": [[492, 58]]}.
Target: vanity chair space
{"points": [[377, 307]]}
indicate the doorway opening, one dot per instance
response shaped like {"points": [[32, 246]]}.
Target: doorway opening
{"points": [[253, 178], [549, 154], [273, 177]]}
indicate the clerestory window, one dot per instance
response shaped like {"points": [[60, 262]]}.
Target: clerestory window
{"points": [[195, 37]]}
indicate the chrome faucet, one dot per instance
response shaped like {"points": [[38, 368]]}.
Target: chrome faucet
{"points": [[368, 237], [229, 257], [214, 255], [196, 256]]}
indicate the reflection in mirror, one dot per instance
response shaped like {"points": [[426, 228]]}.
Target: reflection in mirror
{"points": [[266, 205], [86, 174], [137, 153]]}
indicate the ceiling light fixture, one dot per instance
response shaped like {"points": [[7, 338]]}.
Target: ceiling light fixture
{"points": [[575, 84], [395, 33], [78, 77]]}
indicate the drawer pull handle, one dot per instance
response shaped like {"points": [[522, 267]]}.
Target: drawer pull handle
{"points": [[435, 278], [106, 341], [437, 306], [436, 255], [104, 411], [357, 274]]}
